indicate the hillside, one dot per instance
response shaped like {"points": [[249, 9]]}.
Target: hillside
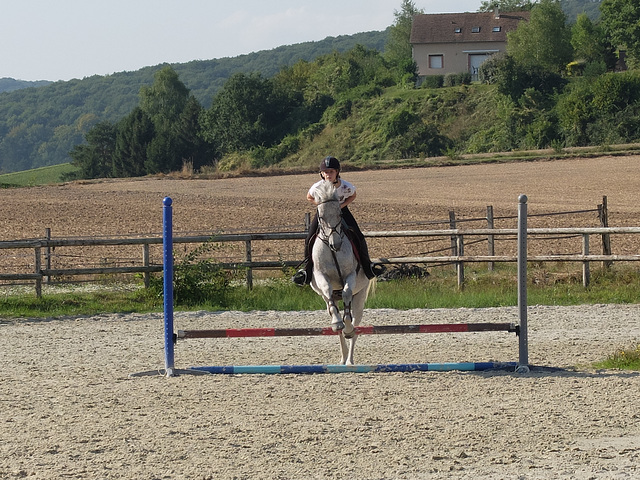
{"points": [[39, 126], [11, 84]]}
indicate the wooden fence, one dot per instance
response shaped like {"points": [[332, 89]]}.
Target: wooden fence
{"points": [[42, 272], [454, 253]]}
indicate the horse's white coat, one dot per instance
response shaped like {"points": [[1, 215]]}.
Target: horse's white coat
{"points": [[335, 269]]}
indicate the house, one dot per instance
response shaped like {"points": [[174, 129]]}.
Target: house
{"points": [[459, 42]]}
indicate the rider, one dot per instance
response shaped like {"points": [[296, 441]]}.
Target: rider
{"points": [[330, 171]]}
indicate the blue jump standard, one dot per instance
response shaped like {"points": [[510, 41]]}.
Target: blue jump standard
{"points": [[400, 367]]}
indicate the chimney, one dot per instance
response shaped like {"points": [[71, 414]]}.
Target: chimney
{"points": [[496, 12]]}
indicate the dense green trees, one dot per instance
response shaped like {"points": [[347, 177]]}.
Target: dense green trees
{"points": [[162, 134], [621, 21], [544, 40], [398, 51], [592, 46], [505, 5]]}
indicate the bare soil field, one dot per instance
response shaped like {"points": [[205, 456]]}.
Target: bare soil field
{"points": [[70, 409], [402, 199]]}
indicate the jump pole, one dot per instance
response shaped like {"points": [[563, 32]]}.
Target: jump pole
{"points": [[521, 367], [381, 368]]}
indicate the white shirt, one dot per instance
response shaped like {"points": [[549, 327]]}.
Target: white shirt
{"points": [[345, 190]]}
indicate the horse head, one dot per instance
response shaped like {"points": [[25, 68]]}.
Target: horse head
{"points": [[329, 215]]}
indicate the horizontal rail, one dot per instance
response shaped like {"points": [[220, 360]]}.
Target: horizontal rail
{"points": [[507, 258], [34, 243], [360, 330], [380, 368]]}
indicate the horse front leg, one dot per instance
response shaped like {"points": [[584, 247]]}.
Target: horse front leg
{"points": [[322, 286], [347, 345], [347, 296], [337, 324]]}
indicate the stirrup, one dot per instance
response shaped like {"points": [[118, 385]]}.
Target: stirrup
{"points": [[378, 269], [300, 278]]}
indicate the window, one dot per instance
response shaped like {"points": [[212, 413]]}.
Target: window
{"points": [[497, 29], [436, 61], [457, 30], [475, 29]]}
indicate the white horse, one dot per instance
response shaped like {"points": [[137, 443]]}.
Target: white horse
{"points": [[336, 272]]}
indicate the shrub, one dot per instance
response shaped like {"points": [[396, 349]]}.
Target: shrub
{"points": [[451, 80], [433, 81], [196, 280]]}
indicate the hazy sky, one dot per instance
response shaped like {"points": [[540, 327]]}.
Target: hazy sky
{"points": [[65, 39]]}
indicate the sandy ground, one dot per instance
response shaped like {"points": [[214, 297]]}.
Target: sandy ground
{"points": [[70, 409]]}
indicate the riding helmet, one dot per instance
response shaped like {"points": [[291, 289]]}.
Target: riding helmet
{"points": [[330, 162]]}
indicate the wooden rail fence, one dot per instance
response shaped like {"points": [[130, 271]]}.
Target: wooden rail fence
{"points": [[40, 272]]}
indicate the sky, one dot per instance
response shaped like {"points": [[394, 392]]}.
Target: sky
{"points": [[65, 39]]}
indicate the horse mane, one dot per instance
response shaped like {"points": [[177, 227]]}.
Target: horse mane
{"points": [[325, 191]]}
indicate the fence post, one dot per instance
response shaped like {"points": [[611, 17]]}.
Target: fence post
{"points": [[47, 253], [603, 214], [454, 241], [523, 360], [38, 269], [247, 248], [145, 262], [460, 265], [586, 274], [490, 238]]}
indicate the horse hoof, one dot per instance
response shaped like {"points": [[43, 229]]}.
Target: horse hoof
{"points": [[349, 335], [337, 327]]}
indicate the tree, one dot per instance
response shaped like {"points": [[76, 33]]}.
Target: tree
{"points": [[95, 158], [165, 99], [544, 40], [196, 150], [505, 5], [590, 43], [169, 105], [514, 79], [398, 51], [621, 20], [248, 112], [134, 134]]}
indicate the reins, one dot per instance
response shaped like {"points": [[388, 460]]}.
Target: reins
{"points": [[325, 238]]}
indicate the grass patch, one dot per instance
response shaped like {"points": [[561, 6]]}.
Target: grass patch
{"points": [[628, 359], [439, 290], [36, 176]]}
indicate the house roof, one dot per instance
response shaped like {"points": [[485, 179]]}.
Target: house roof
{"points": [[442, 27]]}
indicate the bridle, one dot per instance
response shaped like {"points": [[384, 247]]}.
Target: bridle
{"points": [[324, 237], [323, 225]]}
